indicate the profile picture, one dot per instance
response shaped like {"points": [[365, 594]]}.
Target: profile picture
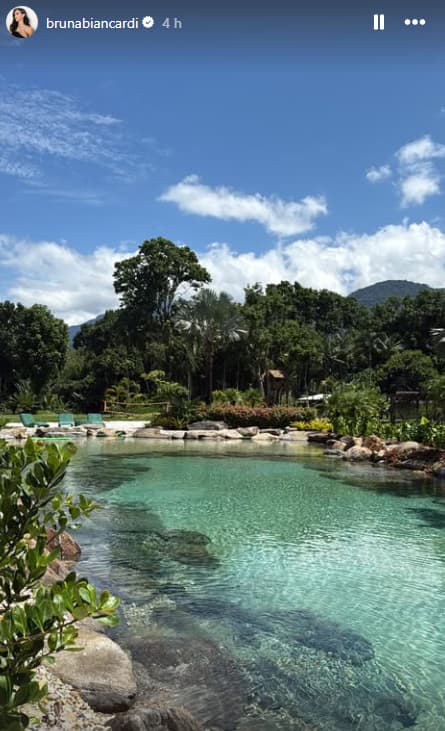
{"points": [[22, 22]]}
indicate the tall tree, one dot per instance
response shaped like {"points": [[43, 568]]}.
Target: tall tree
{"points": [[149, 282], [212, 320]]}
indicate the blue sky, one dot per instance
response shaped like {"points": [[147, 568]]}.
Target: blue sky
{"points": [[327, 176]]}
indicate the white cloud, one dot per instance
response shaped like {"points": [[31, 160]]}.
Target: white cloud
{"points": [[422, 182], [375, 175], [342, 264], [79, 286], [418, 174], [282, 218], [39, 126], [422, 149], [75, 286]]}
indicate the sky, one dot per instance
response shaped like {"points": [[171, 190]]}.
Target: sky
{"points": [[314, 166]]}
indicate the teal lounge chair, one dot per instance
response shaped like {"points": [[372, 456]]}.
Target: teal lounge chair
{"points": [[79, 420], [66, 420], [96, 419], [28, 421]]}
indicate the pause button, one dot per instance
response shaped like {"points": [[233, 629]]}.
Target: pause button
{"points": [[379, 21]]}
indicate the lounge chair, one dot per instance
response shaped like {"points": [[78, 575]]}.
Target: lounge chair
{"points": [[66, 420], [28, 421], [95, 419]]}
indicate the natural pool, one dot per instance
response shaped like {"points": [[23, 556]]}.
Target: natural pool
{"points": [[321, 603]]}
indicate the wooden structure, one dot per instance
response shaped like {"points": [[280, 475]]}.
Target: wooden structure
{"points": [[404, 405], [275, 386]]}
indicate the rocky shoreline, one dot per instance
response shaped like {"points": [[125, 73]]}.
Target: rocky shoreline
{"points": [[408, 455]]}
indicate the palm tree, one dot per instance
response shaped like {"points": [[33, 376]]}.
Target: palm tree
{"points": [[211, 321]]}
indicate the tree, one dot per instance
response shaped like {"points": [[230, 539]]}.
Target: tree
{"points": [[33, 346], [406, 370], [213, 320], [37, 620], [148, 283]]}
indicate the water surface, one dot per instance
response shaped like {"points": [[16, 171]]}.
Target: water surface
{"points": [[325, 580]]}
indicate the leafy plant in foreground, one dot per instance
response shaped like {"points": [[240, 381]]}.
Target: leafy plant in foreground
{"points": [[35, 620]]}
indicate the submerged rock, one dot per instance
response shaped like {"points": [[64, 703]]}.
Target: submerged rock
{"points": [[321, 634], [155, 719], [191, 672]]}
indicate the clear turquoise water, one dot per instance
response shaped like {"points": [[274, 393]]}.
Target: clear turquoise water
{"points": [[351, 545]]}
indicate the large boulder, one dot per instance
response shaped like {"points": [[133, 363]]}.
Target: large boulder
{"points": [[191, 672], [207, 425], [155, 719], [101, 671], [204, 434], [69, 548], [357, 454], [374, 443], [401, 447], [248, 431], [154, 432], [231, 434], [265, 437]]}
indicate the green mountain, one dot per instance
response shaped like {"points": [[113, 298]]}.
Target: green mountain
{"points": [[380, 291]]}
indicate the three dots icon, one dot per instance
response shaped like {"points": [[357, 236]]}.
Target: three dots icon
{"points": [[415, 21]]}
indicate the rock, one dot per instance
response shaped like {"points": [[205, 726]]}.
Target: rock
{"points": [[357, 454], [204, 434], [334, 453], [188, 547], [265, 437], [191, 672], [153, 719], [248, 431], [438, 470], [188, 536], [358, 441], [347, 441], [295, 435], [174, 433], [402, 447], [101, 672], [154, 432], [207, 425], [374, 443], [321, 634], [231, 434], [105, 432], [319, 437], [337, 444], [69, 548], [275, 432]]}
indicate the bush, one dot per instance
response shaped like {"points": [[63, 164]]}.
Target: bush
{"points": [[168, 422], [313, 425], [262, 416], [356, 411], [37, 620]]}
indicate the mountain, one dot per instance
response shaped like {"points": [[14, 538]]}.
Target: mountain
{"points": [[378, 292], [74, 329]]}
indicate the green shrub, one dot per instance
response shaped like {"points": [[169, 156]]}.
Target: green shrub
{"points": [[356, 411], [313, 425], [37, 620], [227, 396], [166, 421], [262, 416]]}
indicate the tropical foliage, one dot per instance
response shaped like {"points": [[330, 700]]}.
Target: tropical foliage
{"points": [[37, 620]]}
